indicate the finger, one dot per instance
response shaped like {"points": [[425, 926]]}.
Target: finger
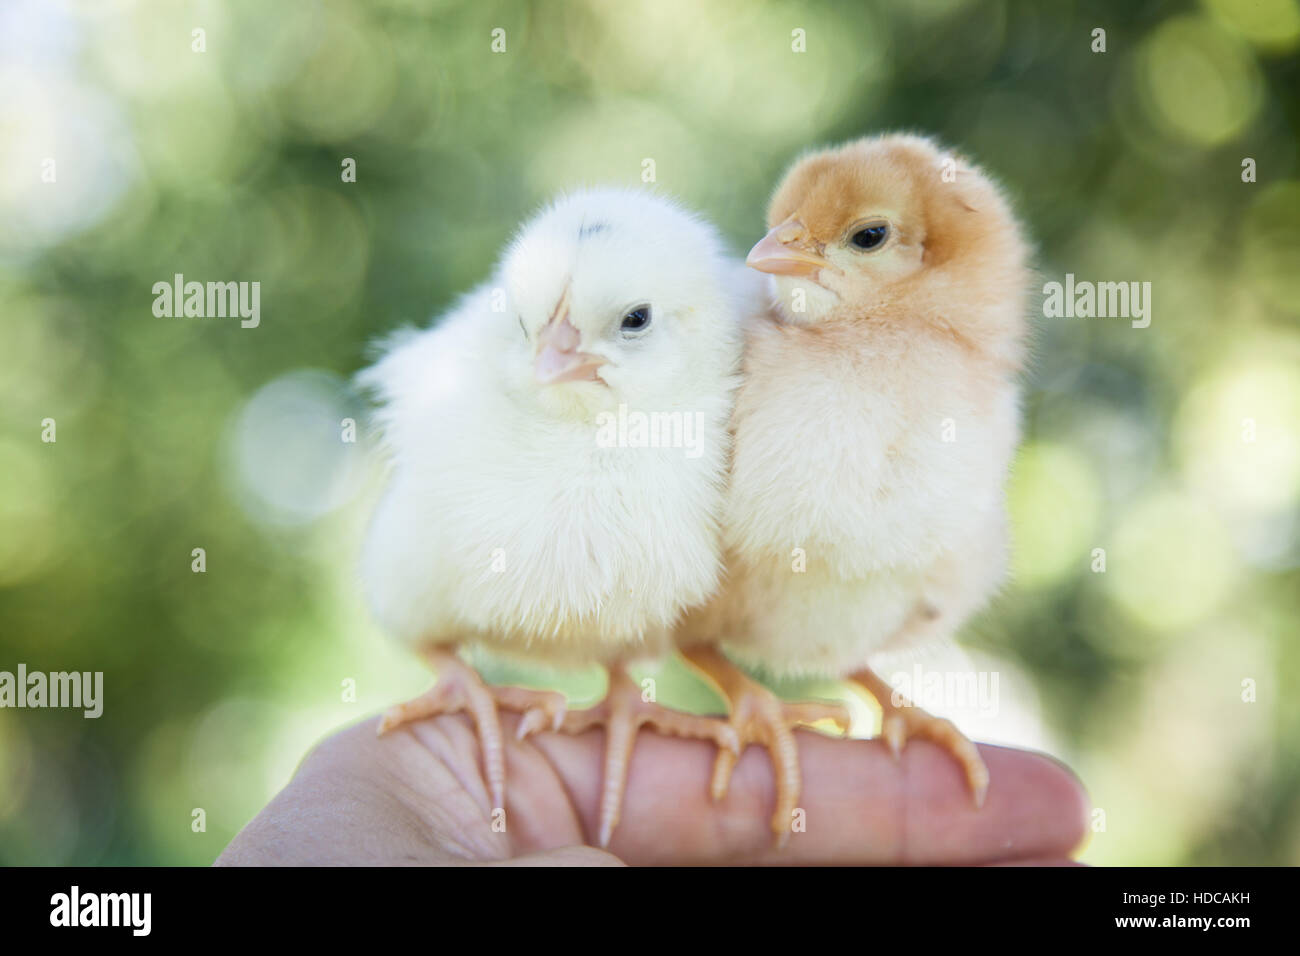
{"points": [[566, 856], [860, 805], [1063, 861]]}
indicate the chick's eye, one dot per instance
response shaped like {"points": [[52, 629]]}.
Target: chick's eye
{"points": [[637, 319], [870, 237]]}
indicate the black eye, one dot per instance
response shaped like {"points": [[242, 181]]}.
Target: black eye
{"points": [[870, 237], [637, 319]]}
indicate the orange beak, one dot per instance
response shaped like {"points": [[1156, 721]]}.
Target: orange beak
{"points": [[787, 250], [558, 358]]}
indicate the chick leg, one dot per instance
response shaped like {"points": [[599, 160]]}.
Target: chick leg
{"points": [[760, 717], [623, 712], [901, 720], [460, 688]]}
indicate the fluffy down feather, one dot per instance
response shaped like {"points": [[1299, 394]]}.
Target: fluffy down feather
{"points": [[506, 522], [875, 425]]}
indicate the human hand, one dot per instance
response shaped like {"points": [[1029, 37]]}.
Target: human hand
{"points": [[417, 796]]}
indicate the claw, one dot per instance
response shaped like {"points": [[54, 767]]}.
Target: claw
{"points": [[902, 721], [460, 688], [894, 732], [623, 713], [760, 717]]}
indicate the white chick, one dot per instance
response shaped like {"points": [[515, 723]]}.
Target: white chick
{"points": [[873, 433], [516, 516]]}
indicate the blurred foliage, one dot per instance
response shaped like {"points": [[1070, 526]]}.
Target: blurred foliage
{"points": [[174, 434]]}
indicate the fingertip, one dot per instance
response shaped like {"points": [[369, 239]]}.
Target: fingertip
{"points": [[1042, 794], [1076, 805]]}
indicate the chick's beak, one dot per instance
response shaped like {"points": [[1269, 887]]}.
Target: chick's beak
{"points": [[786, 250], [558, 358]]}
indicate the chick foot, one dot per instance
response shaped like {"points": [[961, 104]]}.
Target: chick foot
{"points": [[901, 720], [760, 717], [623, 712], [459, 688]]}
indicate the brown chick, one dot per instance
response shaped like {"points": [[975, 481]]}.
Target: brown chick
{"points": [[875, 424]]}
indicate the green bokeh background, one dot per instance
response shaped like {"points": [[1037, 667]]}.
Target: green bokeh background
{"points": [[175, 434]]}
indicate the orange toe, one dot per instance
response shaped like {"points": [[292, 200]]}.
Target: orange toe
{"points": [[761, 717], [460, 689], [901, 721], [622, 713]]}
